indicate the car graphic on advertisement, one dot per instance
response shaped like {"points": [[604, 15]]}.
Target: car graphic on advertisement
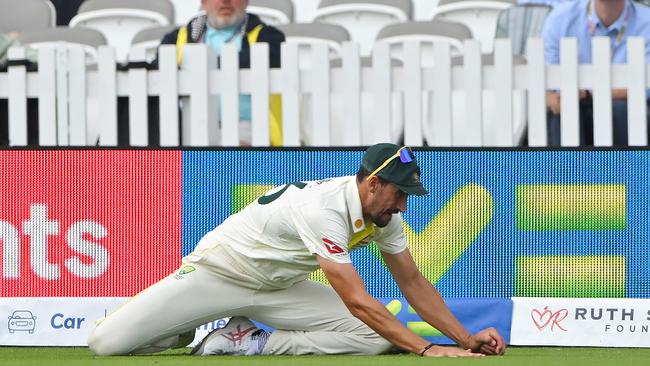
{"points": [[22, 320]]}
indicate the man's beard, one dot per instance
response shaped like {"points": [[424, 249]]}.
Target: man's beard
{"points": [[379, 221], [220, 22]]}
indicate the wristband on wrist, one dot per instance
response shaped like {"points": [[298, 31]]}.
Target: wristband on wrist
{"points": [[426, 349]]}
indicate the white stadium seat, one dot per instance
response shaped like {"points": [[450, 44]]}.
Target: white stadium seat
{"points": [[272, 12], [479, 15], [87, 39], [422, 9], [185, 10], [26, 15], [120, 20], [521, 22], [146, 42], [428, 34], [363, 19], [306, 35], [304, 10], [490, 103]]}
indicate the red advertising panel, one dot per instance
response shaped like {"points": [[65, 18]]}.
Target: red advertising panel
{"points": [[88, 223]]}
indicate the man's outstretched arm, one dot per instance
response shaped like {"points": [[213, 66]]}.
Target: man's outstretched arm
{"points": [[348, 285], [428, 303]]}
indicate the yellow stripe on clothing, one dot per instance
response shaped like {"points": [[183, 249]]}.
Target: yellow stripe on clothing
{"points": [[275, 101], [181, 40], [358, 237]]}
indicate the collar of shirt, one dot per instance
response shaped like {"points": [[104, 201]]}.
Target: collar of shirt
{"points": [[215, 38], [617, 25], [353, 202]]}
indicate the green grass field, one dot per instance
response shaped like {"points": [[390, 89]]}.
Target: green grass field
{"points": [[519, 356]]}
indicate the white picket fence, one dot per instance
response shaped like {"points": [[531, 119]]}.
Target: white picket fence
{"points": [[444, 104]]}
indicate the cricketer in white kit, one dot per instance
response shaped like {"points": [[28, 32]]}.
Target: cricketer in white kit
{"points": [[256, 263]]}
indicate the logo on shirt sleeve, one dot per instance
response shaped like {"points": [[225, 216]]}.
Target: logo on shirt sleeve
{"points": [[332, 248]]}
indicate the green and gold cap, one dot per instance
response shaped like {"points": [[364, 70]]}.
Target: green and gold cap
{"points": [[394, 164]]}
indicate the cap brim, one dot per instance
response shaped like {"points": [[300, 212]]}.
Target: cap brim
{"points": [[417, 190]]}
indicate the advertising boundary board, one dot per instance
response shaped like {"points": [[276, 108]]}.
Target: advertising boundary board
{"points": [[580, 322], [568, 227], [64, 321]]}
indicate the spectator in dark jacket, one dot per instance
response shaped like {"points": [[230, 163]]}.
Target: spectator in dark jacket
{"points": [[65, 10], [226, 21]]}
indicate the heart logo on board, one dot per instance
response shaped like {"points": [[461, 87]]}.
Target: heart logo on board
{"points": [[545, 317]]}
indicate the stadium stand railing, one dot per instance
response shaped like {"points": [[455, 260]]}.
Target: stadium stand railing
{"points": [[63, 84]]}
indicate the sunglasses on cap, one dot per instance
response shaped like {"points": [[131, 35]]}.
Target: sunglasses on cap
{"points": [[405, 155]]}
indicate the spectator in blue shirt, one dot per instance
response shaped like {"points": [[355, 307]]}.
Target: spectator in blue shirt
{"points": [[584, 19]]}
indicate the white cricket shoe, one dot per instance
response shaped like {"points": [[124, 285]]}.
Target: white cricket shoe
{"points": [[239, 337]]}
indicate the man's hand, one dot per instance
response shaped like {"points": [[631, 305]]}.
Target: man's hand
{"points": [[488, 342], [553, 102], [348, 285], [437, 351]]}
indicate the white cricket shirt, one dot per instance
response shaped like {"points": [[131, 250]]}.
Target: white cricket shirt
{"points": [[272, 243]]}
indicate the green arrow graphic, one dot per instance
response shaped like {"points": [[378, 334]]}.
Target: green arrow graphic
{"points": [[460, 221], [436, 248]]}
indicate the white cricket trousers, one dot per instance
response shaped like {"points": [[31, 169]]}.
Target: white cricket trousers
{"points": [[309, 317]]}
